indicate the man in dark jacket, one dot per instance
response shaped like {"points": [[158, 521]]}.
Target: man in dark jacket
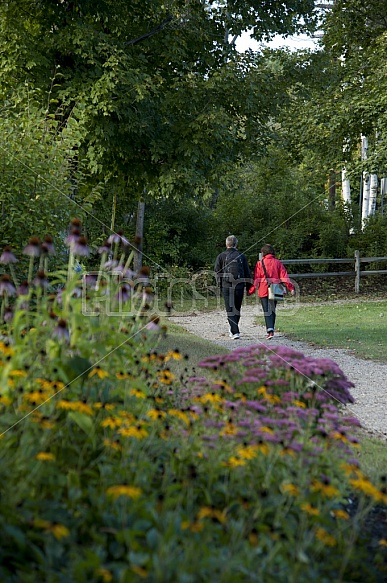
{"points": [[233, 276]]}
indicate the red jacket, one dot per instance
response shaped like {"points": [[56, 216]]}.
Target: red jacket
{"points": [[276, 273]]}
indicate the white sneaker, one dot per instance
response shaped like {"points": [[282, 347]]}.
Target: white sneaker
{"points": [[231, 334], [236, 336]]}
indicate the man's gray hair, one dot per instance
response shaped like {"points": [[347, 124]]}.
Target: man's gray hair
{"points": [[231, 241]]}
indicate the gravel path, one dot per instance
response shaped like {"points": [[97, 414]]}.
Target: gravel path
{"points": [[369, 378]]}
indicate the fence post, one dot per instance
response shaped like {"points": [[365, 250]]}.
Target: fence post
{"points": [[357, 272], [139, 235]]}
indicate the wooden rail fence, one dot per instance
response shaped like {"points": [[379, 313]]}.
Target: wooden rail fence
{"points": [[357, 272]]}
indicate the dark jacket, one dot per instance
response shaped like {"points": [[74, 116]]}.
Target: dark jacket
{"points": [[221, 262]]}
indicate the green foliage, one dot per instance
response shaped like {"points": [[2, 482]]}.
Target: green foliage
{"points": [[271, 201], [372, 242], [177, 232], [40, 171], [161, 94]]}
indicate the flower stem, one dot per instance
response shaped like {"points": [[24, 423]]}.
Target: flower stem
{"points": [[13, 274], [129, 260], [30, 269], [103, 261], [71, 266]]}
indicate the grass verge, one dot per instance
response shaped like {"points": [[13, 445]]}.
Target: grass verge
{"points": [[190, 346], [360, 327]]}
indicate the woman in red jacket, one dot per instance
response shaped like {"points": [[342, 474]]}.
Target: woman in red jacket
{"points": [[276, 273]]}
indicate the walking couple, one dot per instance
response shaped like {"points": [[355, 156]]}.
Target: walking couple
{"points": [[233, 278]]}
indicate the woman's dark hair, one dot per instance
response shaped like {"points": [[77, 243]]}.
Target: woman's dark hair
{"points": [[267, 250]]}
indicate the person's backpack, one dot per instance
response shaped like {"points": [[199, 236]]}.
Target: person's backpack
{"points": [[233, 266]]}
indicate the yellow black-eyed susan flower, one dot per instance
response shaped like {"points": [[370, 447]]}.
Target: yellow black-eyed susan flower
{"points": [[104, 574], [134, 431], [180, 415], [310, 509], [122, 375], [123, 490], [58, 530], [234, 462], [341, 514], [137, 393], [140, 571], [325, 488], [45, 456], [4, 400], [113, 444], [326, 538], [112, 422], [195, 526], [365, 486], [211, 512], [247, 452], [18, 373], [97, 370], [290, 489], [174, 354], [166, 377], [156, 414], [37, 397], [75, 406]]}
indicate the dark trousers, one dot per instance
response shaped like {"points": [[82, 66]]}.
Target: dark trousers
{"points": [[233, 297], [268, 307]]}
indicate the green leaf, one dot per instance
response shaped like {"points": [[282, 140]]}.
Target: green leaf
{"points": [[85, 422], [77, 366]]}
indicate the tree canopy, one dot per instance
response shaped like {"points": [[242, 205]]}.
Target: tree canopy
{"points": [[162, 95]]}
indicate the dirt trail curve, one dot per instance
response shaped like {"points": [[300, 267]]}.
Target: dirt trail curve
{"points": [[369, 378]]}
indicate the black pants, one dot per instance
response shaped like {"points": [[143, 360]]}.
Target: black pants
{"points": [[268, 307], [233, 297]]}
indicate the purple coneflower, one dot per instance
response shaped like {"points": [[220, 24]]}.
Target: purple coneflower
{"points": [[33, 249], [61, 332], [147, 295], [77, 292], [118, 237], [41, 280], [123, 240], [110, 264], [153, 324], [7, 256], [23, 289], [90, 279], [105, 248], [73, 237], [48, 245], [6, 286], [8, 314], [124, 293], [80, 247]]}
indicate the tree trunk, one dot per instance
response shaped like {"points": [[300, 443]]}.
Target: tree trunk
{"points": [[366, 199], [345, 188], [366, 184], [332, 190], [139, 235], [373, 194]]}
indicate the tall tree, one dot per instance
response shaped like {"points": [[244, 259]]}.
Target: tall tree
{"points": [[162, 95]]}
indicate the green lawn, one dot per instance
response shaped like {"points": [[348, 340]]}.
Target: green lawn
{"points": [[190, 346], [360, 327]]}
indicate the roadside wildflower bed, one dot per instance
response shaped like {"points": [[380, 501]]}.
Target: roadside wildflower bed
{"points": [[113, 469]]}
